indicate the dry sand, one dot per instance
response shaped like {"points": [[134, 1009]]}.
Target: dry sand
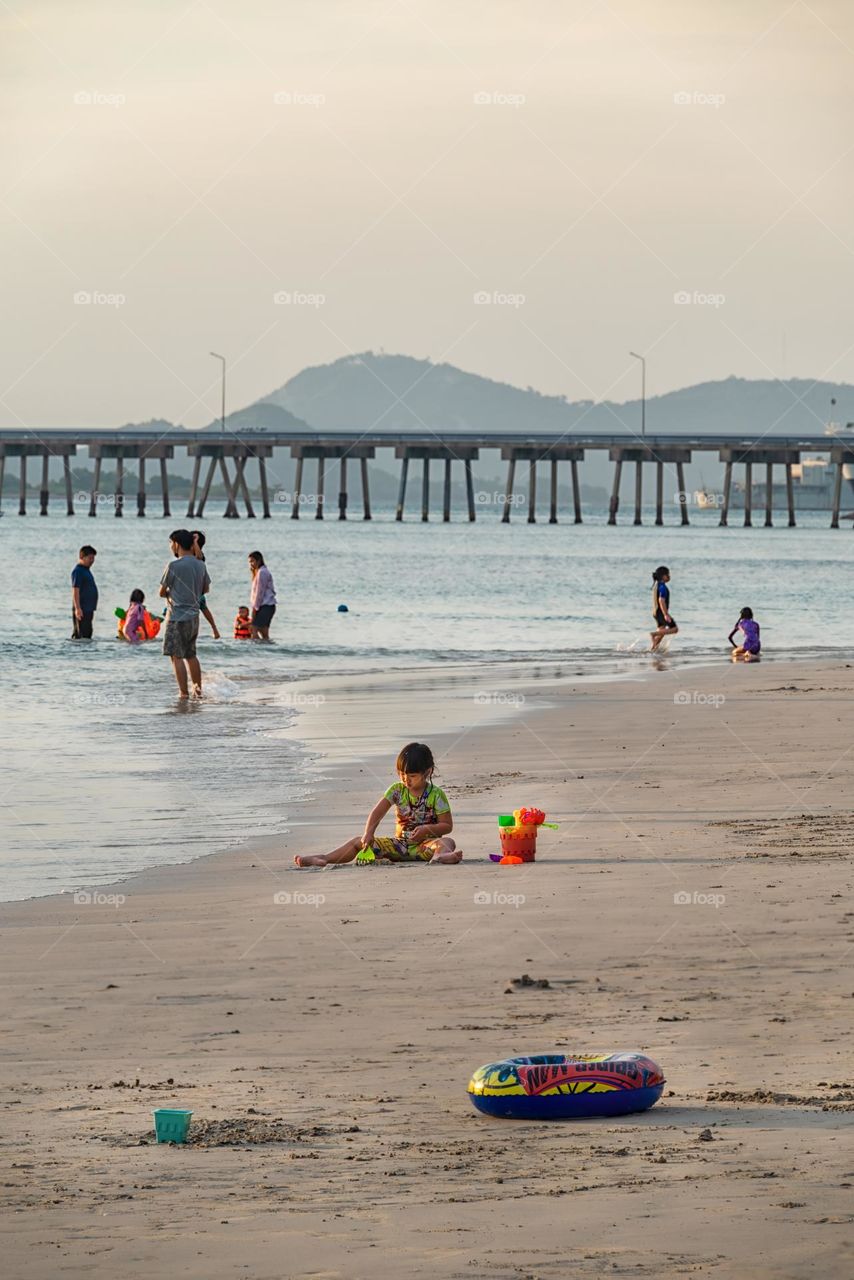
{"points": [[324, 1043]]}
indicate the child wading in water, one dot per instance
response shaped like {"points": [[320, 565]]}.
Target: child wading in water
{"points": [[423, 815], [666, 626], [749, 650], [133, 625]]}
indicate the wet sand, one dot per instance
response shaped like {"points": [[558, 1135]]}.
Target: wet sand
{"points": [[695, 905]]}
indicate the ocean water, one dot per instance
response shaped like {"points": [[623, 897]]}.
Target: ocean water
{"points": [[105, 772]]}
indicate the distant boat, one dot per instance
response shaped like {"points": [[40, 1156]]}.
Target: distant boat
{"points": [[704, 499]]}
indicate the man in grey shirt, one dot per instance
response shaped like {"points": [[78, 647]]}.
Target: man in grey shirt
{"points": [[185, 580]]}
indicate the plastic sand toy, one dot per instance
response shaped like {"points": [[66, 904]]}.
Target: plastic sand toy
{"points": [[171, 1125], [518, 835]]}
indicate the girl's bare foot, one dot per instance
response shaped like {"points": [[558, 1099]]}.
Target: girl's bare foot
{"points": [[449, 856], [309, 860]]}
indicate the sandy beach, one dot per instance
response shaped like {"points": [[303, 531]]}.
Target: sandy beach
{"points": [[695, 905]]}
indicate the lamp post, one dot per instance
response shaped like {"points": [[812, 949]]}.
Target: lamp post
{"points": [[216, 356], [643, 390]]}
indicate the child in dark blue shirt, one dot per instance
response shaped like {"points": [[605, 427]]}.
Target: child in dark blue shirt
{"points": [[665, 624]]}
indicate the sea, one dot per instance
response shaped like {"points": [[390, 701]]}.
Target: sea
{"points": [[106, 773]]}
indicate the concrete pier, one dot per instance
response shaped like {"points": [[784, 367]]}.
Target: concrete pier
{"points": [[326, 456], [425, 454], [661, 456], [553, 454]]}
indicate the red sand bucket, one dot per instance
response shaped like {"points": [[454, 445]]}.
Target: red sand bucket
{"points": [[519, 842]]}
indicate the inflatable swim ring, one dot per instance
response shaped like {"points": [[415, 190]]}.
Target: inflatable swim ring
{"points": [[559, 1086]]}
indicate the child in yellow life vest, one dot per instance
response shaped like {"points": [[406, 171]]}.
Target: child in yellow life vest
{"points": [[243, 624]]}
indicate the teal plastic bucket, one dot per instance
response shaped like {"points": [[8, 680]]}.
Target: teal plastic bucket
{"points": [[171, 1125]]}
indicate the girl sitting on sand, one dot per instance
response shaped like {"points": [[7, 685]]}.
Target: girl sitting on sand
{"points": [[749, 650], [661, 607], [423, 816]]}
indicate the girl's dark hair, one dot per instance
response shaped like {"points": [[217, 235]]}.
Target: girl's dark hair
{"points": [[746, 613], [199, 536], [256, 555], [415, 757], [658, 574], [137, 596]]}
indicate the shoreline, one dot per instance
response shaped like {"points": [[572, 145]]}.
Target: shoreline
{"points": [[523, 678]]}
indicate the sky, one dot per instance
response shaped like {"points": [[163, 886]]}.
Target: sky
{"points": [[529, 191]]}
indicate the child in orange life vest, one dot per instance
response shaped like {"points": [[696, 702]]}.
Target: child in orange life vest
{"points": [[243, 624]]}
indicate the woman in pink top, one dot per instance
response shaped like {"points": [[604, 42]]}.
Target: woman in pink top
{"points": [[262, 600]]}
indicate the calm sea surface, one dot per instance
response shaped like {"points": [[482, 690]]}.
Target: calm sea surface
{"points": [[104, 773]]}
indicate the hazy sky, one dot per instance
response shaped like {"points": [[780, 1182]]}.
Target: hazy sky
{"points": [[384, 162]]}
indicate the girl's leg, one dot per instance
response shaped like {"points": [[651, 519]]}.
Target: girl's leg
{"points": [[446, 850], [344, 853], [656, 637]]}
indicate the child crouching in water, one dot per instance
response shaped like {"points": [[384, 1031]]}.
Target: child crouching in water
{"points": [[132, 626], [423, 814], [749, 650]]}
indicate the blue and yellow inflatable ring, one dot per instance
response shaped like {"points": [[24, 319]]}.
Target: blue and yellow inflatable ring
{"points": [[559, 1086]]}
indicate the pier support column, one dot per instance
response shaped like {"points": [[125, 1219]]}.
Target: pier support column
{"points": [[22, 490], [837, 494], [508, 496], [638, 492], [140, 493], [615, 492], [321, 481], [200, 509], [96, 487], [748, 495], [790, 495], [2, 473], [425, 491], [297, 490], [120, 487], [164, 486], [659, 493], [727, 491], [69, 496], [532, 491], [446, 497], [231, 512], [366, 493], [576, 491], [194, 485], [680, 480], [240, 479], [470, 490], [265, 492], [401, 494], [553, 494], [342, 490], [769, 494], [44, 493]]}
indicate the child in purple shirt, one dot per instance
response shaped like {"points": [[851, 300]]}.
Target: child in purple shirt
{"points": [[748, 650]]}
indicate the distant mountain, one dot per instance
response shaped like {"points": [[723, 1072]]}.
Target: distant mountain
{"points": [[394, 392], [261, 416]]}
